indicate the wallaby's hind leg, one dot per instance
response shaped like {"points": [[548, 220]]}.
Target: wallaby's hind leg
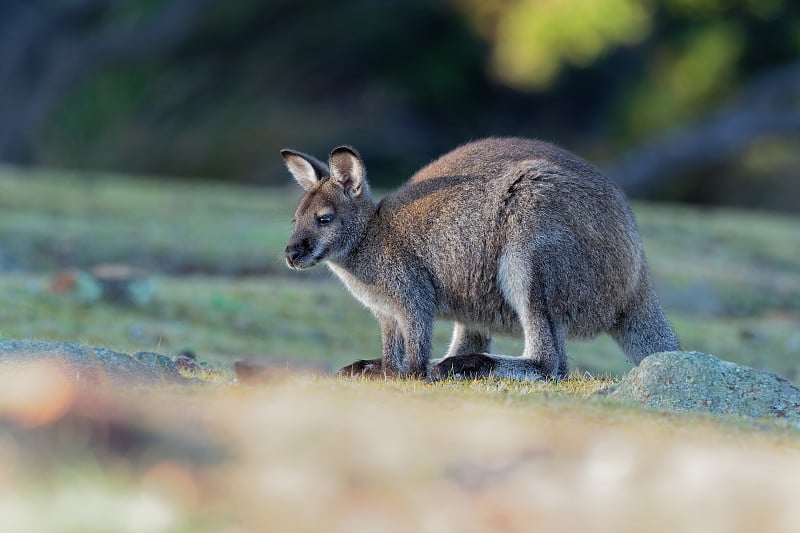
{"points": [[467, 341], [545, 350], [466, 356], [643, 329], [544, 356], [545, 353]]}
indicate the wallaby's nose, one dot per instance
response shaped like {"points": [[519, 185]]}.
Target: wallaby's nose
{"points": [[293, 253]]}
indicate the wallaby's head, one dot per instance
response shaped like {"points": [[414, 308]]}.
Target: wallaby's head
{"points": [[333, 214]]}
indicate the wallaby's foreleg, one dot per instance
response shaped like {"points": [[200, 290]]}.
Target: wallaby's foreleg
{"points": [[417, 338], [406, 350], [364, 368], [467, 341], [392, 359], [392, 347]]}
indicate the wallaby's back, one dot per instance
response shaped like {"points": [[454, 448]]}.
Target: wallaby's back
{"points": [[493, 156]]}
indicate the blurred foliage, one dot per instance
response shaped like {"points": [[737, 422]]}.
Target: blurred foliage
{"points": [[684, 79], [259, 75], [534, 40], [696, 51]]}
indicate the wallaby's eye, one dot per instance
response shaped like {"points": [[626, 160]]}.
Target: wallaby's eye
{"points": [[324, 220]]}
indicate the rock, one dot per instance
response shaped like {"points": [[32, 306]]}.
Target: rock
{"points": [[187, 361], [693, 381], [93, 365], [160, 364], [190, 364]]}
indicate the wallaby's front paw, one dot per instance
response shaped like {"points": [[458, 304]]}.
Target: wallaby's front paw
{"points": [[418, 372], [363, 368], [469, 366]]}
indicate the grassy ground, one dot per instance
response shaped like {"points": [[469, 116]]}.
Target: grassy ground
{"points": [[311, 454], [729, 279]]}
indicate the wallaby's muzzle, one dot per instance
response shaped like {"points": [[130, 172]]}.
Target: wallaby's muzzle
{"points": [[304, 253], [295, 255]]}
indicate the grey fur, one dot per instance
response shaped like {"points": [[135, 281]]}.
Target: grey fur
{"points": [[502, 235]]}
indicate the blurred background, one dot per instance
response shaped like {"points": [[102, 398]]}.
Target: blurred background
{"points": [[682, 100]]}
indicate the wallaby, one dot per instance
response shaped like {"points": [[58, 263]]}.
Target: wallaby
{"points": [[502, 235]]}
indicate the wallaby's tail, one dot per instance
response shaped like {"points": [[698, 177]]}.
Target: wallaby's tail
{"points": [[643, 329]]}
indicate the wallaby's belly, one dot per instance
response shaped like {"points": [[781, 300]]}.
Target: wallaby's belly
{"points": [[478, 304], [585, 296], [483, 307]]}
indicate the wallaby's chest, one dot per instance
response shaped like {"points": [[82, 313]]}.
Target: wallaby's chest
{"points": [[371, 296]]}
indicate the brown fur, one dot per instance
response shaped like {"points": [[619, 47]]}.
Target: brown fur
{"points": [[502, 235]]}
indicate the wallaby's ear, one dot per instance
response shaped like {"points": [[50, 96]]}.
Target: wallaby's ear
{"points": [[348, 170], [306, 170]]}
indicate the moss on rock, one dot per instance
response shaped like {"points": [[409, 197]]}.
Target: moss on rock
{"points": [[694, 381]]}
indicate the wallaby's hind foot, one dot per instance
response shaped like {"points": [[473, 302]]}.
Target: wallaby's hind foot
{"points": [[466, 366], [363, 368], [482, 365]]}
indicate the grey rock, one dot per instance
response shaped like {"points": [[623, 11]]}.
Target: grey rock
{"points": [[693, 381], [156, 362], [93, 365]]}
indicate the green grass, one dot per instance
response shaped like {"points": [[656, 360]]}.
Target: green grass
{"points": [[222, 319], [729, 279], [51, 219]]}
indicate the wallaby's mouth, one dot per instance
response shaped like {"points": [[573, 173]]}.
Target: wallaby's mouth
{"points": [[300, 264], [301, 261]]}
